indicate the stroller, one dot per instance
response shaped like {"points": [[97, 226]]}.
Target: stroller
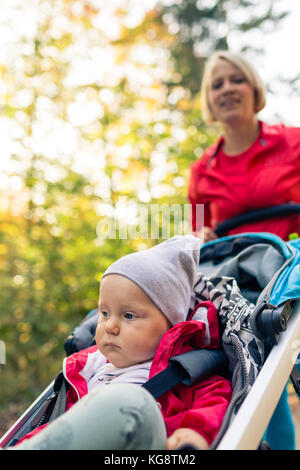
{"points": [[254, 281]]}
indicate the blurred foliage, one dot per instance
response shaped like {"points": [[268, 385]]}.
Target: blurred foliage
{"points": [[100, 117], [204, 26]]}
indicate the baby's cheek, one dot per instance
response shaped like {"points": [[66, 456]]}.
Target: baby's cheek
{"points": [[98, 336], [150, 348]]}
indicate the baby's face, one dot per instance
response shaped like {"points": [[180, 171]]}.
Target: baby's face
{"points": [[130, 326]]}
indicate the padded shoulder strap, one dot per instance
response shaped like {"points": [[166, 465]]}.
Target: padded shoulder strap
{"points": [[188, 368]]}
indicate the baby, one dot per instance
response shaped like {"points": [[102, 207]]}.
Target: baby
{"points": [[143, 305], [141, 296]]}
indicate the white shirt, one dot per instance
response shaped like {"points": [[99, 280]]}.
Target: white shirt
{"points": [[107, 374]]}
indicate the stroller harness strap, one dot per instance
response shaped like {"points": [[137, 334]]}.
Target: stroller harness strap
{"points": [[188, 368], [165, 380]]}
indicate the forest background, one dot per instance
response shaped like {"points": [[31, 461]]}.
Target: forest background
{"points": [[100, 116]]}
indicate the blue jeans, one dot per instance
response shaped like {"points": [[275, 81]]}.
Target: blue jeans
{"points": [[115, 417]]}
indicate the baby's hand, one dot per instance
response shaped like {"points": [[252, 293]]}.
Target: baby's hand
{"points": [[185, 436], [207, 234]]}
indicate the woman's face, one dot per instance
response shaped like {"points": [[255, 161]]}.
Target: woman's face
{"points": [[230, 96]]}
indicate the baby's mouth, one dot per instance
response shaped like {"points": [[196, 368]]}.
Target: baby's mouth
{"points": [[110, 344]]}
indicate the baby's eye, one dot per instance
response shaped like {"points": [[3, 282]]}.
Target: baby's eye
{"points": [[129, 315], [104, 314]]}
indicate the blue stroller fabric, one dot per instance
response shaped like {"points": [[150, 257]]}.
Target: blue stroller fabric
{"points": [[287, 285]]}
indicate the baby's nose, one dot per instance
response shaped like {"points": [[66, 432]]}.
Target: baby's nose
{"points": [[112, 325]]}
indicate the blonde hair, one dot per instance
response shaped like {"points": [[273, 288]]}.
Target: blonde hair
{"points": [[240, 63]]}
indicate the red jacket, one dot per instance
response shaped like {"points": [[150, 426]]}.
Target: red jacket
{"points": [[200, 407], [266, 174]]}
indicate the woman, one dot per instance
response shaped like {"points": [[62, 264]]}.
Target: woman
{"points": [[252, 165]]}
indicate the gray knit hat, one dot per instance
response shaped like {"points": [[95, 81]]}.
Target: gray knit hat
{"points": [[165, 272]]}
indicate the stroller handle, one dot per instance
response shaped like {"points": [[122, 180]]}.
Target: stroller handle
{"points": [[255, 216]]}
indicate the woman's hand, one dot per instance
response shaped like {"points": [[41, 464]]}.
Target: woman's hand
{"points": [[186, 436], [207, 234]]}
